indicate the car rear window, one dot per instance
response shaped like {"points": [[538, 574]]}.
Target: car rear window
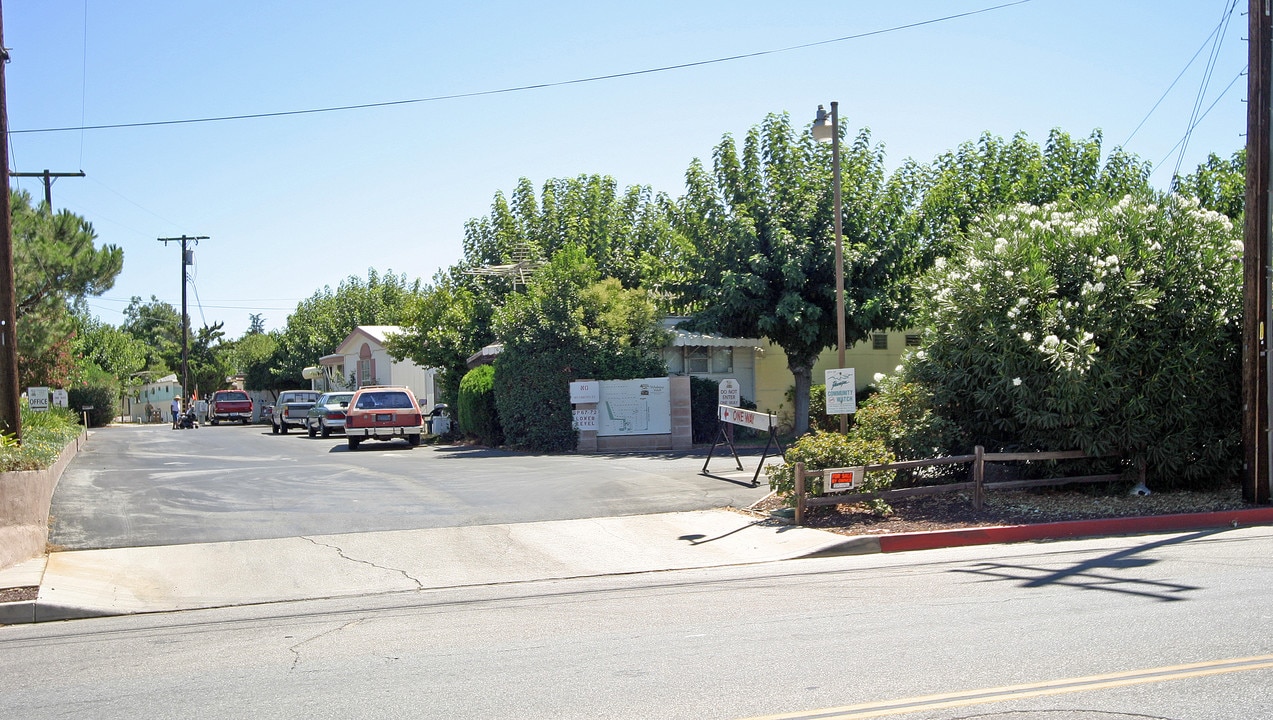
{"points": [[391, 400], [232, 397]]}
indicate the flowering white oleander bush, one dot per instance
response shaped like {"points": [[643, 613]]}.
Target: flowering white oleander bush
{"points": [[1110, 330]]}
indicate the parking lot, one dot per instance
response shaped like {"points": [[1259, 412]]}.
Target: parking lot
{"points": [[136, 485]]}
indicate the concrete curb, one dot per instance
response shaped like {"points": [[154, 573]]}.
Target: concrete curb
{"points": [[931, 540]]}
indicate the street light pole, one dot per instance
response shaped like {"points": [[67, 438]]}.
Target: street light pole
{"points": [[821, 131]]}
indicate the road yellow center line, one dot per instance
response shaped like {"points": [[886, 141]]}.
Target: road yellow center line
{"points": [[1018, 692]]}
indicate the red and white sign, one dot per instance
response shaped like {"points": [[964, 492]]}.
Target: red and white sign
{"points": [[842, 478], [746, 418], [729, 393]]}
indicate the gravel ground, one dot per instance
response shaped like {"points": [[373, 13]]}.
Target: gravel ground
{"points": [[943, 512]]}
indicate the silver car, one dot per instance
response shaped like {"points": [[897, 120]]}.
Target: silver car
{"points": [[328, 414]]}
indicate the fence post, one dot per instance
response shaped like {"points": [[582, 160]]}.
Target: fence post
{"points": [[800, 493], [978, 477]]}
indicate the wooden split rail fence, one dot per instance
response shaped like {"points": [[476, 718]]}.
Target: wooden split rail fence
{"points": [[977, 484]]}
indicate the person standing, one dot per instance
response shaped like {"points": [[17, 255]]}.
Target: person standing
{"points": [[176, 411]]}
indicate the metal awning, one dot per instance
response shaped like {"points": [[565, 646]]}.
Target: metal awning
{"points": [[683, 338]]}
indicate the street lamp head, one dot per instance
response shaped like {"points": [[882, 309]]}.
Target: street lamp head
{"points": [[823, 131]]}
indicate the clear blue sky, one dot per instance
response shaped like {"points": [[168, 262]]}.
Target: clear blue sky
{"points": [[296, 203]]}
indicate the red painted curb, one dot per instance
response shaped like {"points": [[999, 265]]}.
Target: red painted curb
{"points": [[1073, 528]]}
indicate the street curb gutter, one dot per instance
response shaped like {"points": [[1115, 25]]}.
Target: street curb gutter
{"points": [[931, 540]]}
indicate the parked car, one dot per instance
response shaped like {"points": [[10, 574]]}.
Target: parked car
{"points": [[383, 412], [267, 415], [328, 413], [291, 409], [229, 405]]}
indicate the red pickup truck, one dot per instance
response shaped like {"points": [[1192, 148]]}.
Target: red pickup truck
{"points": [[230, 405]]}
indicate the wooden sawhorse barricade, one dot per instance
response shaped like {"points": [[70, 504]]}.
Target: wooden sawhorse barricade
{"points": [[746, 418]]}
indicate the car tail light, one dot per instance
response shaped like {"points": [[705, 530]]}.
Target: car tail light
{"points": [[335, 414], [414, 417]]}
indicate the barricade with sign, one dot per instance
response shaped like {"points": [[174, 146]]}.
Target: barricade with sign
{"points": [[747, 418]]}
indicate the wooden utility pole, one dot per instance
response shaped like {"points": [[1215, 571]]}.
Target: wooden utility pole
{"points": [[10, 409], [48, 182], [186, 255], [1257, 449]]}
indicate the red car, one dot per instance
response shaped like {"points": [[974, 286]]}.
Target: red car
{"points": [[230, 405], [382, 412]]}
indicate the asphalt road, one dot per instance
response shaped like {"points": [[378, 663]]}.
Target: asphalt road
{"points": [[135, 486], [1158, 627]]}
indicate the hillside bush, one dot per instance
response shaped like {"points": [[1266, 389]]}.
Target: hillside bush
{"points": [[819, 450], [44, 436], [475, 407], [1113, 330]]}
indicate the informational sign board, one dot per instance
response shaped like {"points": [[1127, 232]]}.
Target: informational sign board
{"points": [[841, 391], [849, 478], [38, 399], [586, 391], [586, 419], [746, 418], [635, 407], [60, 398], [729, 393]]}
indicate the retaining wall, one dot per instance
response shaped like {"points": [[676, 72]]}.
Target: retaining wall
{"points": [[25, 497]]}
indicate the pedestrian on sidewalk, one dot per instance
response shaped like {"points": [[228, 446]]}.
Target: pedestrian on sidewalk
{"points": [[176, 411]]}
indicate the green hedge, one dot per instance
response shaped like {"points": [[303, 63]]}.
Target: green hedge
{"points": [[100, 397], [475, 407]]}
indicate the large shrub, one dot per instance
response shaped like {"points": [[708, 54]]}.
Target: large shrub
{"points": [[476, 406], [568, 325], [101, 396], [1113, 330]]}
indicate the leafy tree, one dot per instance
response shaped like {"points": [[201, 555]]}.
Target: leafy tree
{"points": [[251, 355], [56, 265], [984, 177], [446, 324], [568, 324], [623, 232], [209, 360], [475, 409], [1111, 330], [256, 324], [113, 351], [156, 324], [321, 322], [761, 226], [1218, 184]]}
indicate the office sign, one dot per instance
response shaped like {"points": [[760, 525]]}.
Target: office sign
{"points": [[38, 399]]}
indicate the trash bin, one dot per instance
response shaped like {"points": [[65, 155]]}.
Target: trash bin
{"points": [[439, 421]]}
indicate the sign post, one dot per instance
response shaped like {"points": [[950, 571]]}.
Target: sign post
{"points": [[38, 399]]}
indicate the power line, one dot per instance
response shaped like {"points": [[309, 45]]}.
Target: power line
{"points": [[1204, 114], [522, 88], [1206, 81], [1166, 92]]}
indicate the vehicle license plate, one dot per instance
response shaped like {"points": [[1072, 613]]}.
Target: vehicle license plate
{"points": [[384, 417]]}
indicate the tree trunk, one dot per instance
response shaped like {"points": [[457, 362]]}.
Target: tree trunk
{"points": [[802, 373]]}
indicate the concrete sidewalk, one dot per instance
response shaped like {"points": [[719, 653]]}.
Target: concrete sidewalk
{"points": [[92, 583]]}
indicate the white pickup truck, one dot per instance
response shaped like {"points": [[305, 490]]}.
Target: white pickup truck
{"points": [[292, 409]]}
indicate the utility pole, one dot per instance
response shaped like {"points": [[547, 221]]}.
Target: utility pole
{"points": [[10, 408], [186, 256], [1257, 448], [48, 182]]}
